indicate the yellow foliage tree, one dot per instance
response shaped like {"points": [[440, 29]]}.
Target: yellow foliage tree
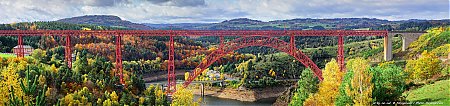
{"points": [[183, 97], [329, 87], [78, 98], [361, 89], [222, 77], [272, 73], [424, 67], [9, 77], [186, 76], [53, 68], [114, 97]]}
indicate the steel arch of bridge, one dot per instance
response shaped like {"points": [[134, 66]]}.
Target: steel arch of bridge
{"points": [[247, 41], [247, 36]]}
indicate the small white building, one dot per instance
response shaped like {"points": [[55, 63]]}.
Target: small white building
{"points": [[27, 49], [213, 74]]}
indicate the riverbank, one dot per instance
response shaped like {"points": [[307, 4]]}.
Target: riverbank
{"points": [[248, 95]]}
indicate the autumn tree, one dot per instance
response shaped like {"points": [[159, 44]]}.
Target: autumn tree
{"points": [[344, 98], [183, 97], [307, 85], [38, 55], [424, 67], [81, 63], [82, 97], [389, 82], [361, 85], [243, 68], [328, 88], [9, 80]]}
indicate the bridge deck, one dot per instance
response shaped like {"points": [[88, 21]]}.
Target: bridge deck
{"points": [[195, 32]]}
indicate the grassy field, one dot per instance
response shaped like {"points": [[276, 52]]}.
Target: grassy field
{"points": [[439, 93], [7, 55]]}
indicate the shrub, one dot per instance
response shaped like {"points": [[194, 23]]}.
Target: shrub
{"points": [[306, 86], [328, 88], [424, 67], [434, 38], [389, 82], [344, 98]]}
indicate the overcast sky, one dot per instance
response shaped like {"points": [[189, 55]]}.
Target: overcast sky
{"points": [[189, 11]]}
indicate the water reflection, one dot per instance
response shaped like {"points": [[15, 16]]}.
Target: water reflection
{"points": [[214, 101]]}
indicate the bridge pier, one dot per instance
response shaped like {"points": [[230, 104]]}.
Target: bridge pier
{"points": [[171, 77], [68, 52], [21, 52], [202, 89], [340, 56], [119, 58], [407, 39], [388, 47]]}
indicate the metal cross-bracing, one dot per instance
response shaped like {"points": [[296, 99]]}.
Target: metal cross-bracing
{"points": [[247, 38], [171, 81]]}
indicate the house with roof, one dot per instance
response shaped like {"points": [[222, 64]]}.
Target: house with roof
{"points": [[27, 49]]}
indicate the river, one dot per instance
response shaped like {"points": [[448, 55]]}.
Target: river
{"points": [[215, 101]]}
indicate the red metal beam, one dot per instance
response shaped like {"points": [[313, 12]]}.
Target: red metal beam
{"points": [[172, 85], [20, 53], [68, 53], [292, 43], [195, 32], [341, 53], [119, 57]]}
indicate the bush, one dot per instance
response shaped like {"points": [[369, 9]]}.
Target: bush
{"points": [[327, 92], [82, 97], [389, 82], [443, 50], [183, 97], [305, 86], [424, 67], [434, 38], [445, 71], [344, 97]]}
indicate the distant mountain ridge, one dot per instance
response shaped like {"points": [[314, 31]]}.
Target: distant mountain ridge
{"points": [[251, 24], [309, 24], [105, 20]]}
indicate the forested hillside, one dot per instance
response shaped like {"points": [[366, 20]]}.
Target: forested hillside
{"points": [[309, 24], [105, 20], [420, 80]]}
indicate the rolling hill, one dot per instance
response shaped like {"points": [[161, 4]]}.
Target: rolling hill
{"points": [[309, 24], [105, 20]]}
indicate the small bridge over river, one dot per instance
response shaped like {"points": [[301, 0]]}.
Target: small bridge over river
{"points": [[163, 84]]}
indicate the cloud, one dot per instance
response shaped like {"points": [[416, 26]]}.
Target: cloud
{"points": [[101, 3], [180, 3], [185, 11]]}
